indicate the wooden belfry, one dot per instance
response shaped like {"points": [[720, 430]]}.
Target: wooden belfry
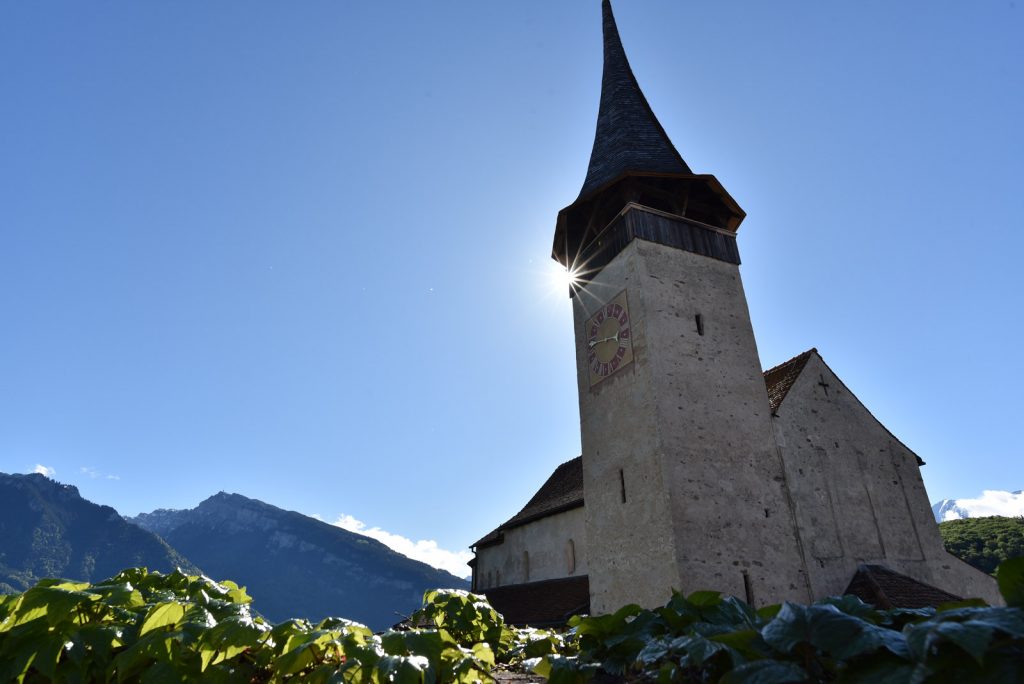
{"points": [[633, 161]]}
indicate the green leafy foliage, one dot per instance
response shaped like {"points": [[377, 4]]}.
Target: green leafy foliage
{"points": [[705, 637], [984, 542], [1010, 576], [148, 627]]}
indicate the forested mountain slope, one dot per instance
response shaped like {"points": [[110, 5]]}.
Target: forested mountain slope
{"points": [[48, 530], [984, 542]]}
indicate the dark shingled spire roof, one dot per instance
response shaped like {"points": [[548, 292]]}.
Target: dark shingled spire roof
{"points": [[628, 137]]}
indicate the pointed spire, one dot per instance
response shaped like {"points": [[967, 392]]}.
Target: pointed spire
{"points": [[628, 137]]}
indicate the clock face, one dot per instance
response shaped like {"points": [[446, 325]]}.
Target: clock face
{"points": [[609, 339]]}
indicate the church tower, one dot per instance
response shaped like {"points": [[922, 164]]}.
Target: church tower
{"points": [[684, 485]]}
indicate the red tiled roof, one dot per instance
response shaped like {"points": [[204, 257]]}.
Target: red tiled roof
{"points": [[561, 492], [779, 380], [540, 604], [884, 588]]}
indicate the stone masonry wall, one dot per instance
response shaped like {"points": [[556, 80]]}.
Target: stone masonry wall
{"points": [[539, 550], [858, 492], [631, 548], [688, 425], [732, 521]]}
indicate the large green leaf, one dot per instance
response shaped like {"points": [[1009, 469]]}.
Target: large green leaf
{"points": [[732, 613], [765, 672], [56, 602], [162, 615], [563, 670], [227, 639], [119, 594], [973, 638], [1010, 576], [404, 669], [831, 631], [705, 599], [699, 650], [20, 647], [163, 673], [746, 642], [851, 605], [153, 648], [879, 668]]}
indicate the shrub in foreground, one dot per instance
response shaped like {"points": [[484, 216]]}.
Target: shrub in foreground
{"points": [[147, 627]]}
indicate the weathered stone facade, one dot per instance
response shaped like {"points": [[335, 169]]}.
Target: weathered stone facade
{"points": [[685, 433], [548, 548], [857, 492]]}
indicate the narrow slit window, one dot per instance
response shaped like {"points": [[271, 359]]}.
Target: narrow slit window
{"points": [[700, 324], [748, 589], [622, 485]]}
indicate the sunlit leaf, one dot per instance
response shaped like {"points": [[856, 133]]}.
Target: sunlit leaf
{"points": [[162, 615]]}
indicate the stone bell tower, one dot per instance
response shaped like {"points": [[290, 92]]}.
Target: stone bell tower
{"points": [[683, 482]]}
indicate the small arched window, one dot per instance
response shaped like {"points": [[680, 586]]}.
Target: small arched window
{"points": [[570, 556]]}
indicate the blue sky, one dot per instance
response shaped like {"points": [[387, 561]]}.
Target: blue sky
{"points": [[299, 251]]}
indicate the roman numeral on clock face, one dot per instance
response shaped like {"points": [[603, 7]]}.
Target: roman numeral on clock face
{"points": [[609, 345]]}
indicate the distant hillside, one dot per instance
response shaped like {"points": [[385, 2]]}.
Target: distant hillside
{"points": [[984, 542], [48, 530], [297, 566]]}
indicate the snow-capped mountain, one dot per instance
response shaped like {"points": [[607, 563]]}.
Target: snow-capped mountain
{"points": [[991, 502]]}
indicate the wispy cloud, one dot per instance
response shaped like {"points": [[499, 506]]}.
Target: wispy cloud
{"points": [[95, 474], [991, 502], [44, 470], [425, 550]]}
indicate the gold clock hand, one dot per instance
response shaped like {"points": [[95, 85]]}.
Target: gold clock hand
{"points": [[614, 338]]}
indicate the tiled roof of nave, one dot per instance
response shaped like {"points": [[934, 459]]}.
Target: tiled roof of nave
{"points": [[779, 380], [885, 588]]}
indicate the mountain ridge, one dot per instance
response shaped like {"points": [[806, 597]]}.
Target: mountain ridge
{"points": [[47, 529], [281, 555]]}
